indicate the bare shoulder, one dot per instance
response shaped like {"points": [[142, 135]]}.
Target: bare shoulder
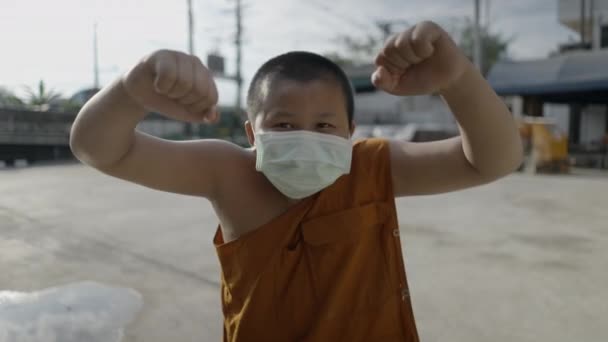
{"points": [[195, 167]]}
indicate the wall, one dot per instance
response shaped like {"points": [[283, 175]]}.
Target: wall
{"points": [[377, 108], [161, 128], [427, 111], [560, 113], [593, 124]]}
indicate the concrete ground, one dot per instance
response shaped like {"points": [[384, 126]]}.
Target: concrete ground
{"points": [[523, 259]]}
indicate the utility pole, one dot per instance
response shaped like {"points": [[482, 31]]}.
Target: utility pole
{"points": [[477, 58], [239, 56], [189, 127], [190, 29], [95, 59], [488, 15], [592, 31], [583, 23]]}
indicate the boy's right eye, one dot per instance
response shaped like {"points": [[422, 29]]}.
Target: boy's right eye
{"points": [[283, 125]]}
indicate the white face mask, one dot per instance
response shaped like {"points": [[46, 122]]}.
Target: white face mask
{"points": [[301, 163]]}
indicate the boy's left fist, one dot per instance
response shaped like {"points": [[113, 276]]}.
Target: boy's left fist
{"points": [[421, 60]]}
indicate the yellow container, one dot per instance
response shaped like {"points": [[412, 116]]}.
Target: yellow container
{"points": [[548, 146]]}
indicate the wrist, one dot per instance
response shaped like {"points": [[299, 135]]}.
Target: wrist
{"points": [[122, 95]]}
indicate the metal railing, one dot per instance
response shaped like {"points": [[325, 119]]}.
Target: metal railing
{"points": [[22, 127]]}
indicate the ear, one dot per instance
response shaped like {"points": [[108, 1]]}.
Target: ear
{"points": [[249, 132], [352, 128]]}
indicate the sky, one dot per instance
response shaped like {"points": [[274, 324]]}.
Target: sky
{"points": [[53, 40]]}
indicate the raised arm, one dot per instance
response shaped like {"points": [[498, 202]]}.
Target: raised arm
{"points": [[424, 60], [169, 82]]}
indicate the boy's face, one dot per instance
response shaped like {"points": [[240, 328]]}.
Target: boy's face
{"points": [[317, 106]]}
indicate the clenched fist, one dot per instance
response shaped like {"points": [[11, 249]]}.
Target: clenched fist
{"points": [[421, 60], [175, 84]]}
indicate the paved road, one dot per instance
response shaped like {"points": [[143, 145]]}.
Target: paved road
{"points": [[523, 259]]}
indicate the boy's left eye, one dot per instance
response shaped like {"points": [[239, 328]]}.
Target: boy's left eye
{"points": [[283, 125], [325, 125]]}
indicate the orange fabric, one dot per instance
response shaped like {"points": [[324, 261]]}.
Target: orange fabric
{"points": [[328, 269]]}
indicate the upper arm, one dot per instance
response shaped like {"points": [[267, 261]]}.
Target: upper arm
{"points": [[184, 167], [431, 167]]}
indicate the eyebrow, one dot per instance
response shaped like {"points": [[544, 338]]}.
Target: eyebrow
{"points": [[281, 114]]}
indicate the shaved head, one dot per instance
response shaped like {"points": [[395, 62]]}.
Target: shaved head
{"points": [[298, 66]]}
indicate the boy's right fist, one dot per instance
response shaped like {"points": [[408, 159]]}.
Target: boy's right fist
{"points": [[174, 84]]}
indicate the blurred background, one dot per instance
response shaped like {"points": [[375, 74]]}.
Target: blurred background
{"points": [[521, 259]]}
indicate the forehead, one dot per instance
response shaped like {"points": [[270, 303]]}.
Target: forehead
{"points": [[319, 95]]}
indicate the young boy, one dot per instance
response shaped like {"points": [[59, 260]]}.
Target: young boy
{"points": [[308, 238]]}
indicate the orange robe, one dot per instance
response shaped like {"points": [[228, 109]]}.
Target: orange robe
{"points": [[328, 269]]}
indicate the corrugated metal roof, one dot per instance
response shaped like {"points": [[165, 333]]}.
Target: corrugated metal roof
{"points": [[580, 71]]}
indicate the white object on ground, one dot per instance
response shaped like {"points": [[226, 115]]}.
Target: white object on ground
{"points": [[77, 312]]}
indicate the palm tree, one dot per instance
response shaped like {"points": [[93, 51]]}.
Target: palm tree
{"points": [[42, 98], [9, 100]]}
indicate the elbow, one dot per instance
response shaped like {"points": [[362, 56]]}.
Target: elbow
{"points": [[503, 163], [516, 156], [79, 144], [510, 161], [75, 141], [83, 142], [78, 139], [79, 150]]}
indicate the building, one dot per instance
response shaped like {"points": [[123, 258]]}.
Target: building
{"points": [[81, 97], [587, 17], [36, 136], [230, 126], [415, 118], [571, 86]]}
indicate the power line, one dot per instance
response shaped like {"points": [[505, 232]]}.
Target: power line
{"points": [[488, 14], [335, 14], [477, 37], [190, 29], [239, 54], [95, 59], [238, 44], [189, 127]]}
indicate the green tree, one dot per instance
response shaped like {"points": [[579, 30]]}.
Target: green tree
{"points": [[357, 51], [9, 100], [41, 98], [65, 105], [493, 45]]}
